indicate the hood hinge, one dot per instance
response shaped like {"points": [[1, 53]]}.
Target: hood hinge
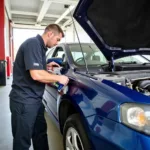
{"points": [[111, 62]]}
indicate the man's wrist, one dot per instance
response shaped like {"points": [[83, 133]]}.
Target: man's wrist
{"points": [[57, 78]]}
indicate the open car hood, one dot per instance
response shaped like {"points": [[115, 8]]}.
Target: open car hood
{"points": [[118, 27]]}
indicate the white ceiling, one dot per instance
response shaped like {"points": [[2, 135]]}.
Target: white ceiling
{"points": [[37, 14]]}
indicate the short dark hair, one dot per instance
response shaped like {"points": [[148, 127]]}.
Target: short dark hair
{"points": [[55, 28]]}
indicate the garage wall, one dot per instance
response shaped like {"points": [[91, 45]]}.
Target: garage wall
{"points": [[6, 33], [69, 35], [20, 35]]}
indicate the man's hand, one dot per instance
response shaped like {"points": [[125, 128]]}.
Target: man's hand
{"points": [[51, 65], [63, 79]]}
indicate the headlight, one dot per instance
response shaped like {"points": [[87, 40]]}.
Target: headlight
{"points": [[136, 116]]}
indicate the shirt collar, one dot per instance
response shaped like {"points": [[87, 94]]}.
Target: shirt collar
{"points": [[42, 42]]}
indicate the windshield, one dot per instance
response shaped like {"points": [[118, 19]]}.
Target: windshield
{"points": [[94, 56]]}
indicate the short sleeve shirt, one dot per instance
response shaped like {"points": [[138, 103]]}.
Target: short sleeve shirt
{"points": [[30, 56]]}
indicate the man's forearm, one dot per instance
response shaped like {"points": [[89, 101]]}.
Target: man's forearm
{"points": [[43, 76]]}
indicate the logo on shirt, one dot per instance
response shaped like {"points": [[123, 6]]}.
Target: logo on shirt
{"points": [[36, 64]]}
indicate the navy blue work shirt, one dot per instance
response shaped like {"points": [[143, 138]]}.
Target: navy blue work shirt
{"points": [[30, 56]]}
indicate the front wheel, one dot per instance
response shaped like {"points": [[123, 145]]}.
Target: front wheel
{"points": [[75, 137]]}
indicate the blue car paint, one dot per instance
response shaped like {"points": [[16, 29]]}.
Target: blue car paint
{"points": [[79, 96], [99, 102], [110, 135], [116, 95]]}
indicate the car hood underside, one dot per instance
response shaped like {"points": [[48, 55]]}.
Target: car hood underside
{"points": [[118, 28]]}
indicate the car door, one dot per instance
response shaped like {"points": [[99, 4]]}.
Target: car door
{"points": [[51, 92]]}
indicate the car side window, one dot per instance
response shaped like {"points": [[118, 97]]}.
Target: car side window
{"points": [[59, 53], [49, 53]]}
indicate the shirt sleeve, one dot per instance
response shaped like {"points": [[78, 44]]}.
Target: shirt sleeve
{"points": [[33, 56]]}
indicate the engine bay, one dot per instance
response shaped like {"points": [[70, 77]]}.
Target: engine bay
{"points": [[133, 76]]}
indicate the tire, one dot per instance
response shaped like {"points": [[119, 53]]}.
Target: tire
{"points": [[74, 126]]}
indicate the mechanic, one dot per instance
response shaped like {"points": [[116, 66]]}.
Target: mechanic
{"points": [[29, 78]]}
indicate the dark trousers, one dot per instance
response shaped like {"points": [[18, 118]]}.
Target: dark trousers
{"points": [[28, 122]]}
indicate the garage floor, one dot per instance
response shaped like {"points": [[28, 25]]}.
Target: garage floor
{"points": [[55, 138]]}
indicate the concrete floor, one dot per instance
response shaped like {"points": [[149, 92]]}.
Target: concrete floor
{"points": [[54, 137]]}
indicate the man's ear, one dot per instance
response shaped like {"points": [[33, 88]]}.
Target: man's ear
{"points": [[50, 34]]}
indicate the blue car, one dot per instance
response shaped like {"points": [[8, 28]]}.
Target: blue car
{"points": [[106, 105]]}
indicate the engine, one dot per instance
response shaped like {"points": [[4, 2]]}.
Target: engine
{"points": [[140, 85], [139, 81], [134, 76]]}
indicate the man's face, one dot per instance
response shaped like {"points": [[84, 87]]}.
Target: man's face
{"points": [[53, 39]]}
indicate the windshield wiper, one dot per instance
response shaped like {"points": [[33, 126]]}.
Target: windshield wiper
{"points": [[146, 63], [130, 62]]}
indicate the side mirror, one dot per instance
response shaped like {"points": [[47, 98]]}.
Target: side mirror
{"points": [[56, 60]]}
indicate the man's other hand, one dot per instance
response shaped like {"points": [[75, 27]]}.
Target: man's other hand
{"points": [[51, 65]]}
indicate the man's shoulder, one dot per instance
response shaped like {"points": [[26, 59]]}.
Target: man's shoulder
{"points": [[30, 43], [32, 40]]}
